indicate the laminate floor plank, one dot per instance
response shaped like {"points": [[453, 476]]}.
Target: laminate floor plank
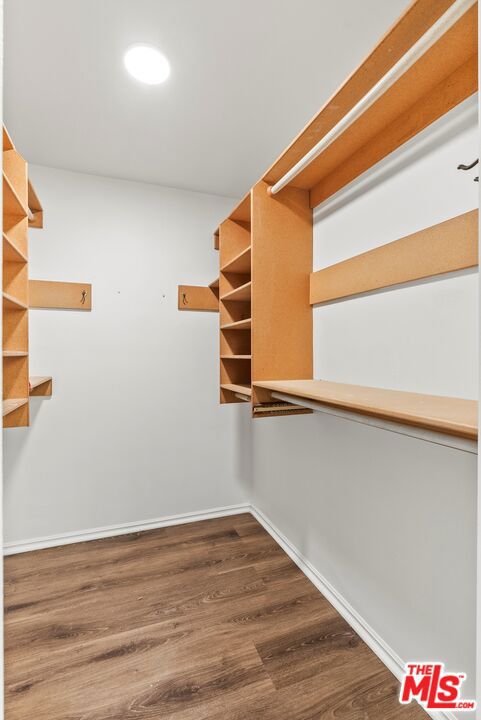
{"points": [[201, 621]]}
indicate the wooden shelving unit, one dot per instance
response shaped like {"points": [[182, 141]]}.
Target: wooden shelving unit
{"points": [[15, 288], [235, 288], [18, 193], [11, 253], [267, 285], [452, 416], [12, 303]]}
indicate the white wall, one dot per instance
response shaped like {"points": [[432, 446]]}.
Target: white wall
{"points": [[388, 520], [133, 430]]}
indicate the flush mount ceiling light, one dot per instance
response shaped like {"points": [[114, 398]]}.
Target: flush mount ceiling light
{"points": [[147, 64]]}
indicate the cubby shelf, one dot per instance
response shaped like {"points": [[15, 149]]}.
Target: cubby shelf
{"points": [[11, 252], [40, 385], [37, 380], [240, 264], [235, 357], [9, 406], [12, 303], [453, 416], [239, 325], [12, 205], [239, 294], [237, 388]]}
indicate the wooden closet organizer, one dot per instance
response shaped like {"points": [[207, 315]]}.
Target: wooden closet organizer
{"points": [[21, 210], [267, 286]]}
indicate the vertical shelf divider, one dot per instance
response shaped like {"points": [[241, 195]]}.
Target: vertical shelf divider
{"points": [[282, 344]]}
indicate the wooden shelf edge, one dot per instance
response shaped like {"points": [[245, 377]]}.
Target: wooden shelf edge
{"points": [[239, 256], [12, 303], [40, 386], [235, 357], [238, 294], [238, 388], [238, 325], [20, 257], [452, 416], [9, 406], [14, 353], [10, 197]]}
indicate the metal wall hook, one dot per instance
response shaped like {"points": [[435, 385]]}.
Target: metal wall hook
{"points": [[184, 299], [84, 297], [468, 167]]}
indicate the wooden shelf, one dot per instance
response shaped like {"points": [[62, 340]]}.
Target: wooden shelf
{"points": [[11, 303], [441, 78], [240, 294], [37, 380], [241, 389], [235, 357], [40, 385], [452, 416], [9, 406], [12, 205], [11, 253], [241, 264], [16, 216], [36, 211], [239, 325]]}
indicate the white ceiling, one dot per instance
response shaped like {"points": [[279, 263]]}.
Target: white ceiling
{"points": [[246, 76]]}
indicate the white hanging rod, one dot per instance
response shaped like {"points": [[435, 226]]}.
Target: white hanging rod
{"points": [[432, 436], [426, 41]]}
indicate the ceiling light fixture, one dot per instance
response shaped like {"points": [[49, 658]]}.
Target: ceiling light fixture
{"points": [[147, 64]]}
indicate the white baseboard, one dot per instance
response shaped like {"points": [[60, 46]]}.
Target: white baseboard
{"points": [[385, 653], [12, 548]]}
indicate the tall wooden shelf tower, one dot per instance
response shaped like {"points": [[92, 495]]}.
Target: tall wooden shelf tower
{"points": [[21, 210], [15, 286]]}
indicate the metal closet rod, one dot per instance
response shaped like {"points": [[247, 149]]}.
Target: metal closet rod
{"points": [[426, 41]]}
